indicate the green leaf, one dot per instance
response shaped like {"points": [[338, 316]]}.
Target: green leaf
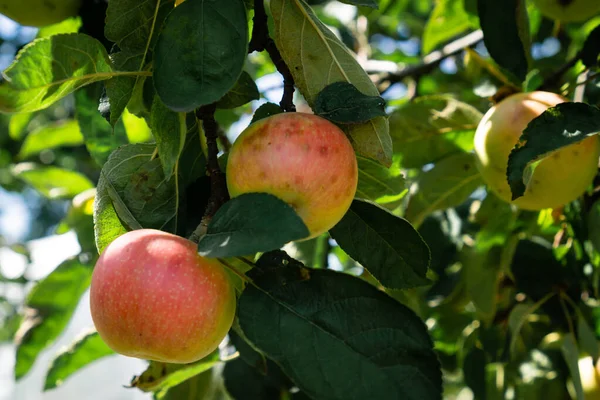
{"points": [[387, 245], [481, 277], [133, 193], [18, 124], [159, 377], [134, 27], [557, 127], [342, 102], [251, 223], [202, 386], [591, 49], [49, 308], [594, 225], [587, 338], [375, 181], [69, 25], [100, 138], [243, 92], [501, 34], [447, 184], [324, 59], [169, 130], [192, 69], [430, 128], [447, 20], [264, 111], [474, 366], [243, 382], [570, 353], [52, 182], [366, 3], [83, 351], [46, 70], [57, 134], [383, 346]]}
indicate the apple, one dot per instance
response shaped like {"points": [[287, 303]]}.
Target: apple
{"points": [[39, 12], [558, 179], [302, 159], [568, 10], [153, 297]]}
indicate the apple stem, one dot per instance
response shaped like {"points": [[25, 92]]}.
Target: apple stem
{"points": [[218, 185], [262, 41]]}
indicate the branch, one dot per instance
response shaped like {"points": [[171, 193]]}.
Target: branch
{"points": [[262, 41], [433, 59], [553, 79], [218, 185]]}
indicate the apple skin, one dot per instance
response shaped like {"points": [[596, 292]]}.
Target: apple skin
{"points": [[568, 10], [302, 159], [39, 12], [558, 179], [153, 297]]}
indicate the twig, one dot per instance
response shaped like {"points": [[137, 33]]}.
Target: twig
{"points": [[553, 79], [218, 185], [262, 41], [433, 59]]}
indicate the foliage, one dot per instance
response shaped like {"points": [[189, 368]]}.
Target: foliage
{"points": [[429, 287]]}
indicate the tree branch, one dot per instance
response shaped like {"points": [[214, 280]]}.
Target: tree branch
{"points": [[218, 185], [433, 59], [262, 41]]}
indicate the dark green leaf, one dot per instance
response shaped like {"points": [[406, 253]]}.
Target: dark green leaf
{"points": [[481, 276], [376, 181], [350, 341], [53, 182], [594, 225], [159, 377], [85, 350], [447, 20], [474, 372], [133, 193], [246, 383], [243, 92], [431, 127], [591, 49], [342, 102], [62, 133], [387, 245], [447, 184], [50, 306], [587, 338], [499, 21], [100, 138], [120, 89], [266, 110], [58, 71], [192, 69], [250, 223], [558, 126], [367, 3], [169, 130]]}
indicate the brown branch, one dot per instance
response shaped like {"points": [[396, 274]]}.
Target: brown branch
{"points": [[433, 59], [218, 185], [262, 41]]}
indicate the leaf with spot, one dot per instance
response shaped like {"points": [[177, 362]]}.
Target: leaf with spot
{"points": [[557, 127], [343, 103], [386, 245], [251, 223], [432, 127], [323, 60], [387, 355], [447, 184], [133, 193], [48, 69], [191, 68]]}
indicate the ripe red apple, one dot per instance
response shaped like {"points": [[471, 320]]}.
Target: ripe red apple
{"points": [[303, 159], [558, 179], [153, 297]]}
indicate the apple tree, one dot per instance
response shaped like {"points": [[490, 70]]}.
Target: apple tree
{"points": [[414, 215]]}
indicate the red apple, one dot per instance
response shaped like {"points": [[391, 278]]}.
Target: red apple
{"points": [[558, 179], [303, 159], [153, 297]]}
